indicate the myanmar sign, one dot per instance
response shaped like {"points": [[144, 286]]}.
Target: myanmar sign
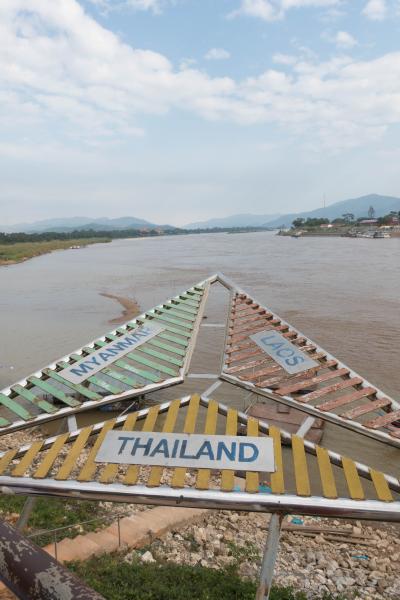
{"points": [[286, 354], [188, 450], [89, 365]]}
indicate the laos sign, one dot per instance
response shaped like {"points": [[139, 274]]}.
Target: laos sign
{"points": [[188, 450], [89, 365], [286, 354]]}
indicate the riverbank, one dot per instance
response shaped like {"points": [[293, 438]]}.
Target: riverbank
{"points": [[15, 253], [131, 308]]}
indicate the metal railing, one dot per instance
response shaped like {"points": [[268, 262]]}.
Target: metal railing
{"points": [[56, 530]]}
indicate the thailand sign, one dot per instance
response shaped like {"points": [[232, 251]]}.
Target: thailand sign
{"points": [[89, 365], [286, 354], [188, 450]]}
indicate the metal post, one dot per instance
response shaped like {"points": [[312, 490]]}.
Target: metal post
{"points": [[269, 558], [119, 532]]}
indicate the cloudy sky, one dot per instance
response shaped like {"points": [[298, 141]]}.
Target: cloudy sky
{"points": [[178, 110]]}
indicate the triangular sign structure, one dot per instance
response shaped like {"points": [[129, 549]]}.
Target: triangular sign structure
{"points": [[118, 373], [329, 390], [65, 465]]}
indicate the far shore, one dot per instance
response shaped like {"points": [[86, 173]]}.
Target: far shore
{"points": [[11, 254]]}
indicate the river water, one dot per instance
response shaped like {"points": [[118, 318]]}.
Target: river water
{"points": [[343, 293]]}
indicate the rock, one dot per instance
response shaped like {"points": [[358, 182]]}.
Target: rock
{"points": [[147, 557]]}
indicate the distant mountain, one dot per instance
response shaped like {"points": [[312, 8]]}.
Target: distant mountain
{"points": [[358, 206], [68, 224], [242, 220]]}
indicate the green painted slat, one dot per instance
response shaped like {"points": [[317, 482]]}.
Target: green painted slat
{"points": [[15, 407], [4, 422], [164, 317], [185, 308], [167, 327], [81, 389], [156, 342], [145, 374], [171, 338], [121, 377], [153, 365], [30, 397], [172, 310], [109, 387], [161, 355], [191, 299], [47, 387]]}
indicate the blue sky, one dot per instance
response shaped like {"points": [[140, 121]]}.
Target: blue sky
{"points": [[180, 110]]}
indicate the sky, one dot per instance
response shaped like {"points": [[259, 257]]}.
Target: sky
{"points": [[181, 110]]}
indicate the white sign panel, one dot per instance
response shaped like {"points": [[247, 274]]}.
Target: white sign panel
{"points": [[286, 354], [188, 450], [89, 365]]}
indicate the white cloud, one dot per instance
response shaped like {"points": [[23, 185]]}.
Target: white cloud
{"points": [[284, 59], [375, 10], [154, 6], [217, 54], [345, 40], [64, 76], [272, 10]]}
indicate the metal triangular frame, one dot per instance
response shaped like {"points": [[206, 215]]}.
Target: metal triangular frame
{"points": [[65, 466], [347, 397], [156, 364]]}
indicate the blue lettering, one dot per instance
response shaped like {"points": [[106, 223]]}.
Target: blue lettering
{"points": [[104, 356], [222, 448], [161, 448], [175, 449], [205, 450], [284, 352], [183, 450], [81, 370], [137, 446], [125, 439], [295, 360], [242, 455]]}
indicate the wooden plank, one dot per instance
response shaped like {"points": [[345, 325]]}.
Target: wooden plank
{"points": [[203, 475], [15, 407], [50, 457], [169, 425], [78, 388], [148, 375], [53, 391], [161, 355], [300, 466], [132, 473], [132, 383], [170, 328], [326, 473], [256, 375], [288, 389], [72, 456], [27, 459], [277, 478], [26, 394], [6, 459], [353, 480], [156, 342], [227, 476], [383, 420], [172, 338], [190, 310], [137, 357], [174, 311], [250, 365], [160, 315], [252, 478], [110, 471], [366, 408], [105, 385], [347, 399], [90, 466], [381, 486], [331, 389], [178, 478]]}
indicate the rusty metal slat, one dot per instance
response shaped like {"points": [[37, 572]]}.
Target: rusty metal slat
{"points": [[249, 354], [274, 381], [366, 408], [262, 372], [319, 379], [383, 420], [249, 324], [330, 389], [346, 399], [250, 365]]}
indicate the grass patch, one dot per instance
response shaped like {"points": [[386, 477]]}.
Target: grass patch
{"points": [[50, 513], [118, 580], [11, 253]]}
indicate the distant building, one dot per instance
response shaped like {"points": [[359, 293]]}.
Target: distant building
{"points": [[368, 222], [326, 225]]}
